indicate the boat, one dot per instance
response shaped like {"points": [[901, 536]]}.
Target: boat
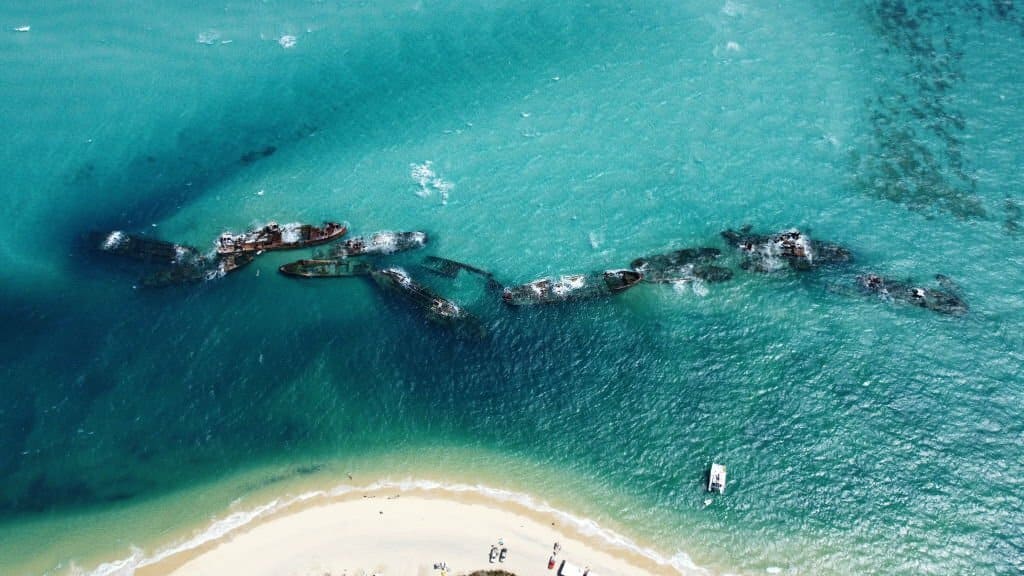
{"points": [[435, 307], [325, 268], [385, 242], [716, 480], [274, 236], [574, 287], [681, 266]]}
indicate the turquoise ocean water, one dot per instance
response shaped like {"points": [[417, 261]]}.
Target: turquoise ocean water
{"points": [[527, 138]]}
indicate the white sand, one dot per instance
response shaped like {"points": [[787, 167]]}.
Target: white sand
{"points": [[404, 535]]}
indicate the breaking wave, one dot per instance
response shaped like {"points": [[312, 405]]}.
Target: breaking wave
{"points": [[219, 528]]}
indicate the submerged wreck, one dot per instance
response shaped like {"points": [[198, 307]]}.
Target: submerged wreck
{"points": [[575, 287], [177, 263], [436, 308], [143, 248], [198, 270], [274, 236], [326, 268], [385, 242], [683, 265], [771, 252], [451, 268], [945, 301]]}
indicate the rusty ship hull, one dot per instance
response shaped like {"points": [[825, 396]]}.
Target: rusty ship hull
{"points": [[274, 236]]}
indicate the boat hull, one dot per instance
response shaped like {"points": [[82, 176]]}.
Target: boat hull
{"points": [[380, 243], [198, 270], [433, 306], [570, 288], [940, 301], [276, 237], [682, 265], [143, 248], [327, 268], [792, 248]]}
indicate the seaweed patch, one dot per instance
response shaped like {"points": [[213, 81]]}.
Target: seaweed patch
{"points": [[1013, 214], [918, 157]]}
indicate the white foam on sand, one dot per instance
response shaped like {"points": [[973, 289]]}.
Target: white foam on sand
{"points": [[221, 527]]}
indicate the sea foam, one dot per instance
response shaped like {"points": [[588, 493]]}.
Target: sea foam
{"points": [[429, 181]]}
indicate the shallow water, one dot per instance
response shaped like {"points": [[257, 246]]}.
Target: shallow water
{"points": [[860, 435]]}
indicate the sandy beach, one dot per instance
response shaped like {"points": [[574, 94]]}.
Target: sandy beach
{"points": [[406, 532]]}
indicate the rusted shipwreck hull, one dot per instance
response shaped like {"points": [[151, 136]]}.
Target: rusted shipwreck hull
{"points": [[274, 236]]}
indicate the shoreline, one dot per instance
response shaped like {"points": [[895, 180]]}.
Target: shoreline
{"points": [[398, 533]]}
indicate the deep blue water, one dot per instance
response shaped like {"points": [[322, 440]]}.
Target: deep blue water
{"points": [[860, 435]]}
